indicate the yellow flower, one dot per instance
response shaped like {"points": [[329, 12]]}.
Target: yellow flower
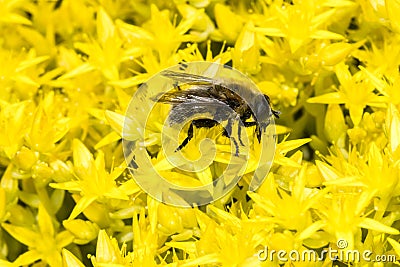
{"points": [[21, 74], [392, 126], [11, 13], [284, 147], [93, 181], [148, 241], [153, 46], [370, 130], [203, 25], [392, 9], [104, 54], [71, 18], [165, 36], [334, 53], [231, 242], [395, 245], [354, 92], [246, 53], [9, 197], [374, 11], [335, 126], [47, 127], [13, 121], [380, 57], [373, 172], [193, 53], [229, 24], [108, 252], [298, 24], [175, 221], [345, 214], [83, 231], [44, 243], [69, 259], [25, 158], [387, 87], [290, 211]]}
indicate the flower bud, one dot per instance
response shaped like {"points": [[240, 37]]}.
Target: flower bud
{"points": [[84, 231], [169, 220], [25, 158], [335, 53], [246, 54], [335, 126], [229, 23]]}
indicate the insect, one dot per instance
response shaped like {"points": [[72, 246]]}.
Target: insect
{"points": [[206, 95]]}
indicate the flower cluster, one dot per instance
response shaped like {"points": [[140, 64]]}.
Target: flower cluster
{"points": [[69, 69]]}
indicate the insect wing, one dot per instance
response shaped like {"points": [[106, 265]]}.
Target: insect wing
{"points": [[198, 93], [187, 77]]}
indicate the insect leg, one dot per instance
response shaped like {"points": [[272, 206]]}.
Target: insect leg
{"points": [[249, 123], [228, 133], [204, 123], [187, 139], [132, 164], [258, 131], [228, 129], [236, 146], [240, 135], [246, 115]]}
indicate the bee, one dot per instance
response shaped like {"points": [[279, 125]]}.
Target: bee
{"points": [[206, 95]]}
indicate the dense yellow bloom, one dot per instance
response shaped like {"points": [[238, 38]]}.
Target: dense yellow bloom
{"points": [[44, 242], [354, 92], [93, 181], [298, 24]]}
